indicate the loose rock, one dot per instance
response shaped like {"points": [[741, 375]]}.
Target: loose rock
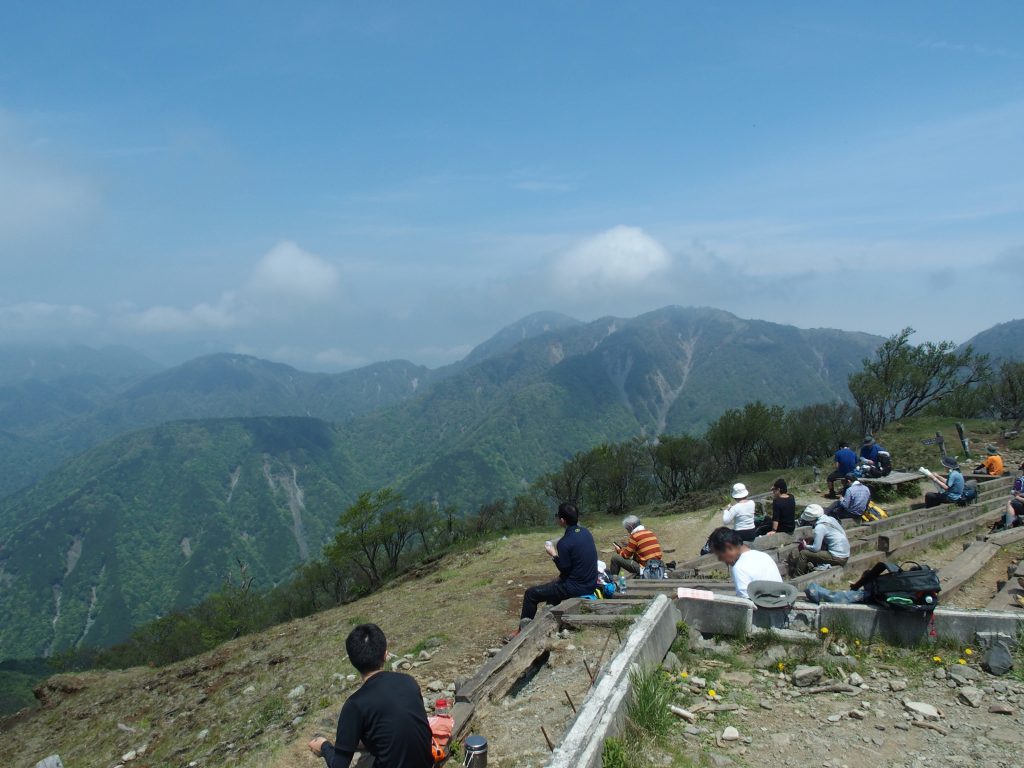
{"points": [[970, 696], [297, 691], [928, 711], [804, 676], [730, 734]]}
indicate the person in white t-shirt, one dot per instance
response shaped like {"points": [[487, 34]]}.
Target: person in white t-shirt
{"points": [[740, 515], [745, 564]]}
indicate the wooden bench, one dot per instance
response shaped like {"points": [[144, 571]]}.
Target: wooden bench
{"points": [[895, 479]]}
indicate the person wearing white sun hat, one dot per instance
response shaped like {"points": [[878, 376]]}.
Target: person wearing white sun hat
{"points": [[740, 515]]}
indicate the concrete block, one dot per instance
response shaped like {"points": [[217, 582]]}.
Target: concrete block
{"points": [[907, 629], [603, 712], [724, 615]]}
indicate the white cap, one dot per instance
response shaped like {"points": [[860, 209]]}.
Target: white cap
{"points": [[812, 512], [739, 491]]}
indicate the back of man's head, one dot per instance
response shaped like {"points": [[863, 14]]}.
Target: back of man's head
{"points": [[567, 511], [366, 647], [630, 522], [723, 538]]}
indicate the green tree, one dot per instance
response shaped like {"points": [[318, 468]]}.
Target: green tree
{"points": [[814, 431], [682, 464], [369, 534], [619, 478], [566, 484], [903, 379], [1006, 392], [747, 438], [528, 510]]}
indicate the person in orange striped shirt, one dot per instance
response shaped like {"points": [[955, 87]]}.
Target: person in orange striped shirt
{"points": [[641, 547]]}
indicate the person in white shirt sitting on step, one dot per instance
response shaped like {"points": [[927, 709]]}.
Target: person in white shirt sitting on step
{"points": [[745, 564], [740, 515]]}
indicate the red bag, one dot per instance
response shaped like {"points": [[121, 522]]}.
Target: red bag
{"points": [[441, 728]]}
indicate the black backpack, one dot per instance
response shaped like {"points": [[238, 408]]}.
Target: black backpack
{"points": [[884, 463], [914, 588]]}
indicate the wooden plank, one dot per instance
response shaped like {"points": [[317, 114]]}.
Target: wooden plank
{"points": [[499, 672], [894, 478], [1003, 538], [1006, 598], [609, 607], [938, 517], [583, 621], [966, 565]]}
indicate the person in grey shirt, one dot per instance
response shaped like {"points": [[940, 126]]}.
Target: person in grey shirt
{"points": [[854, 503], [828, 546]]}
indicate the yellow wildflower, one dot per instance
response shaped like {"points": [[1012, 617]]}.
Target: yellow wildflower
{"points": [[968, 652], [937, 659], [712, 693], [961, 661], [824, 630]]}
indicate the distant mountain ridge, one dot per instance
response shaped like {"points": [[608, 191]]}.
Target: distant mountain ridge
{"points": [[1004, 341]]}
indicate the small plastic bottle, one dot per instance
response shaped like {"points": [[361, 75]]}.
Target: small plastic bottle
{"points": [[441, 707]]}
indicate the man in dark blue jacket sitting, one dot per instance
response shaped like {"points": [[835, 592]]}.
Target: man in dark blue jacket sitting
{"points": [[575, 557]]}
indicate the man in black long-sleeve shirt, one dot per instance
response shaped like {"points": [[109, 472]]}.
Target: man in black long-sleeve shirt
{"points": [[385, 717], [575, 556]]}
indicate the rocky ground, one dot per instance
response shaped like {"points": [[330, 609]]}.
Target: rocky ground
{"points": [[867, 707]]}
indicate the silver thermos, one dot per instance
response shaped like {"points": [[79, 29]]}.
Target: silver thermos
{"points": [[476, 752]]}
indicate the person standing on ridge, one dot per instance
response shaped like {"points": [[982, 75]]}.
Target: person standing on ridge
{"points": [[384, 717], [575, 557], [641, 547]]}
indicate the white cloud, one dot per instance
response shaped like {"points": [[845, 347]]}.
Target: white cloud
{"points": [[284, 281], [32, 316], [164, 319], [621, 257], [289, 272]]}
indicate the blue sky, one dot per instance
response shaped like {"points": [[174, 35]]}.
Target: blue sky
{"points": [[330, 184]]}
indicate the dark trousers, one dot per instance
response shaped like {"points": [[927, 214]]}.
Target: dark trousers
{"points": [[839, 512], [551, 593], [934, 499], [766, 527], [749, 535], [619, 563]]}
